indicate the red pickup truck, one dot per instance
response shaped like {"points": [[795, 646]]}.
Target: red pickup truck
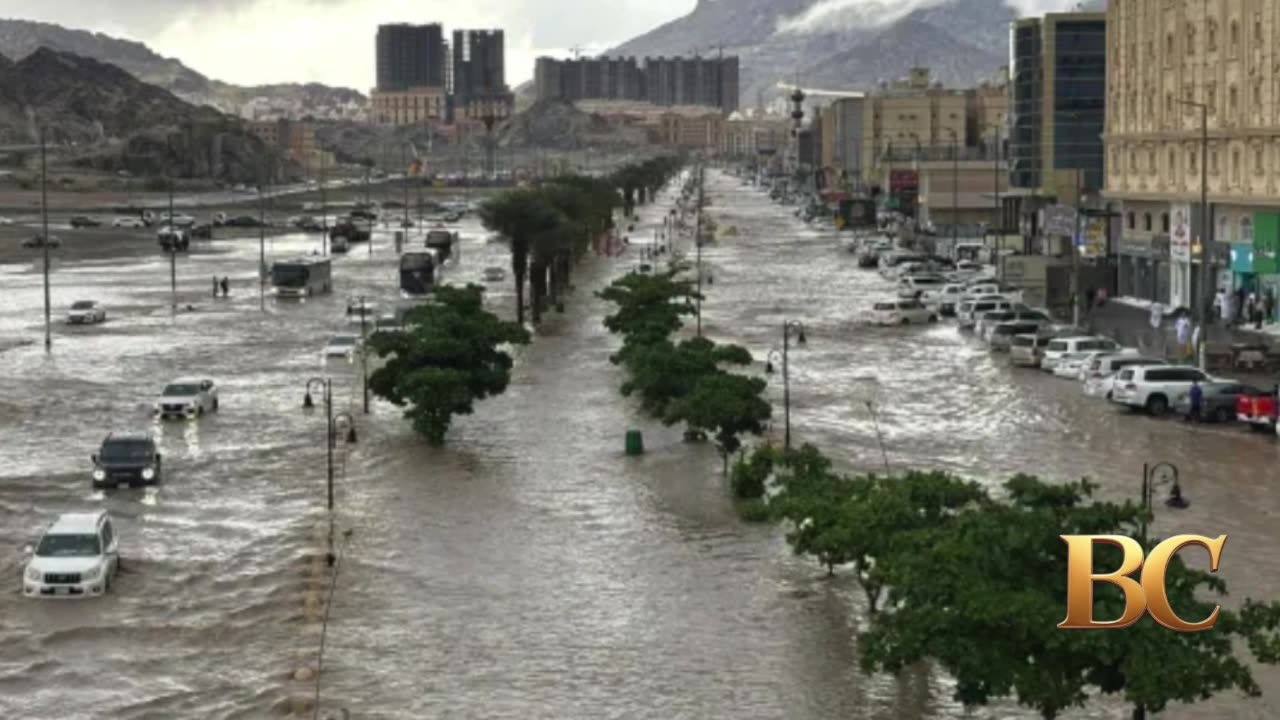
{"points": [[1259, 411]]}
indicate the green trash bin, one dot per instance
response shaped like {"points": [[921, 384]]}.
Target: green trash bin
{"points": [[635, 442]]}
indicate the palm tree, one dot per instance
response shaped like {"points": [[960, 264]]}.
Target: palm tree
{"points": [[520, 216]]}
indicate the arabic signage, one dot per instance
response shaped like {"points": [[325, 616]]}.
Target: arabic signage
{"points": [[1094, 243], [1180, 233], [1058, 220]]}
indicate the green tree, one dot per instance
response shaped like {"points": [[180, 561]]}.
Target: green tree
{"points": [[749, 477], [521, 216], [449, 356], [649, 307], [725, 405], [982, 595], [663, 372]]}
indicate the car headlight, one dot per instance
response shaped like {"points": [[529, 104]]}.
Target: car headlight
{"points": [[99, 474], [148, 473], [33, 574]]}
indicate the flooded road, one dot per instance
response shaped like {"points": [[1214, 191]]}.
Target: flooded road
{"points": [[529, 569]]}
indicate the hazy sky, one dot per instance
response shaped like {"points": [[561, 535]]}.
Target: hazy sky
{"points": [[331, 41]]}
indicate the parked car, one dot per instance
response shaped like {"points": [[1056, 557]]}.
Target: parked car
{"points": [[6, 221], [361, 311], [84, 221], [1100, 374], [902, 312], [86, 312], [494, 274], [128, 221], [969, 314], [1218, 402], [945, 298], [181, 220], [1259, 411], [912, 286], [1071, 364], [38, 242], [1017, 313], [202, 232], [1001, 337], [1078, 344], [1025, 349], [126, 459], [77, 556], [342, 346], [188, 398], [173, 239], [990, 288], [388, 323], [1154, 387], [245, 221]]}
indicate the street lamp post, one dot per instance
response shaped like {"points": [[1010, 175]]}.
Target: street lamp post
{"points": [[697, 242], [1204, 225], [324, 209], [1156, 476], [44, 221], [364, 353], [788, 327], [955, 187], [333, 422], [262, 249], [173, 253]]}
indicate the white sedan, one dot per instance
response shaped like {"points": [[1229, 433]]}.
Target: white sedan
{"points": [[86, 312], [128, 221], [902, 312], [1071, 365], [342, 346]]}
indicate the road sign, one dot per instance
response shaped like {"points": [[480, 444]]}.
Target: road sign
{"points": [[1059, 220]]}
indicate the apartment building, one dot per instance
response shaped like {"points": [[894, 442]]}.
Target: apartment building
{"points": [[1172, 64]]}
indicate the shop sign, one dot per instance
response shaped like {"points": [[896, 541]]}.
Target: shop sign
{"points": [[1180, 233]]}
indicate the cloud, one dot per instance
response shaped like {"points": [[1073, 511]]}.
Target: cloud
{"points": [[838, 15], [261, 41]]}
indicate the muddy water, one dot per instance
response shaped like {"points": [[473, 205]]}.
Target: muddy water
{"points": [[528, 570]]}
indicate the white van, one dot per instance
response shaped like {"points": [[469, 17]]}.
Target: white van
{"points": [[1060, 347], [969, 313]]}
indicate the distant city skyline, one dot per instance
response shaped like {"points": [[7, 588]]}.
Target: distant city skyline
{"points": [[252, 42]]}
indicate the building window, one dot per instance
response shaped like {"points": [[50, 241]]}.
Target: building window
{"points": [[1191, 161], [1146, 221], [1257, 95], [1235, 167], [1168, 45], [1235, 37], [1259, 160], [1212, 34], [1164, 222], [1173, 164], [1211, 97], [1233, 100], [1151, 161], [1133, 161], [1213, 162], [1191, 39], [1131, 225], [1168, 104]]}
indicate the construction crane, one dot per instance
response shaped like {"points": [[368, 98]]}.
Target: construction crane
{"points": [[826, 93]]}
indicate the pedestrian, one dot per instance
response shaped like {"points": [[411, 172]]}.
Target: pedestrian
{"points": [[1237, 308], [1182, 328], [1089, 295], [1224, 308], [1215, 307], [225, 286], [1269, 305], [1102, 297], [1196, 396]]}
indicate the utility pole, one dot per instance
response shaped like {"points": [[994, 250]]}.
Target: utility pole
{"points": [[262, 250], [1204, 231], [697, 242], [364, 353], [44, 221], [1075, 253], [404, 164], [995, 176], [955, 188], [368, 206], [324, 210], [173, 253]]}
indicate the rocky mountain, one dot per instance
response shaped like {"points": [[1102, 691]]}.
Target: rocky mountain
{"points": [[97, 115], [839, 44], [20, 38]]}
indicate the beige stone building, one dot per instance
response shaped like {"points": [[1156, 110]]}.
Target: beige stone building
{"points": [[414, 106], [1163, 54]]}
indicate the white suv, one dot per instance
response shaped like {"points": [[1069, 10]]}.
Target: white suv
{"points": [[1154, 387], [76, 557], [1060, 347], [187, 397]]}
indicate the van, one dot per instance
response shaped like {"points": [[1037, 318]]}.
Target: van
{"points": [[1059, 347], [968, 317]]}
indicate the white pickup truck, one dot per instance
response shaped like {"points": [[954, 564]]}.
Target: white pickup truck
{"points": [[187, 398]]}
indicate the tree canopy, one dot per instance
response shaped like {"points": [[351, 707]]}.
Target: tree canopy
{"points": [[450, 354]]}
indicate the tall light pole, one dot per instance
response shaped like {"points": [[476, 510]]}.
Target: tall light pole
{"points": [[955, 187], [324, 210], [333, 422], [173, 253], [697, 242], [404, 164], [788, 327], [45, 241], [364, 352], [1204, 224], [262, 247]]}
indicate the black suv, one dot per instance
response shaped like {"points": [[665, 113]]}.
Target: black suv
{"points": [[126, 458]]}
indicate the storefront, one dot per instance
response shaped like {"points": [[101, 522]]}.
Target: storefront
{"points": [[1266, 245], [1143, 268]]}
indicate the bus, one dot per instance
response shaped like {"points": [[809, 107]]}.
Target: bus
{"points": [[301, 277], [417, 273], [442, 242]]}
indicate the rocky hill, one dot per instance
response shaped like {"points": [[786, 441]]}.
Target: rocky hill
{"points": [[97, 115], [840, 44], [557, 124], [20, 38]]}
